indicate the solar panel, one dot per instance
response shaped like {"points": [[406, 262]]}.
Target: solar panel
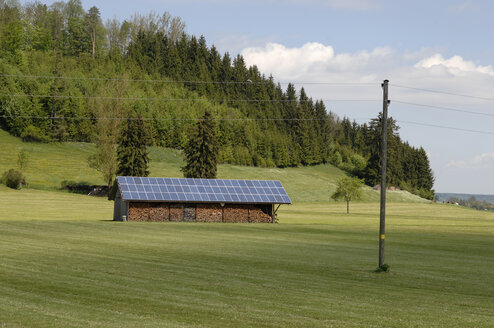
{"points": [[202, 190]]}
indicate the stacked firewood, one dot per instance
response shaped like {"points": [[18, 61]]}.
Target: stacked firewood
{"points": [[176, 213], [208, 213], [258, 216], [159, 212], [236, 213], [138, 212]]}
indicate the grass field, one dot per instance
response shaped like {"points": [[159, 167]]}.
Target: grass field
{"points": [[63, 264]]}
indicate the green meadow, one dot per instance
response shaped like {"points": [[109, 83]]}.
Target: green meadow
{"points": [[63, 263]]}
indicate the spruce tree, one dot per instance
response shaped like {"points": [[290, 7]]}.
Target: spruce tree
{"points": [[201, 151], [132, 154]]}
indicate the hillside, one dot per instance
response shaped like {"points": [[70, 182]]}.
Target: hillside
{"points": [[50, 164], [75, 79]]}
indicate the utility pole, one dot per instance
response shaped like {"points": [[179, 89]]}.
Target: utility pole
{"points": [[384, 151]]}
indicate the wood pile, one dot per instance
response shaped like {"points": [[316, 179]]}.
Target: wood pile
{"points": [[138, 212], [236, 213], [176, 212], [258, 216], [208, 213], [158, 212]]}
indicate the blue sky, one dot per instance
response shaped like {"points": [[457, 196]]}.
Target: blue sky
{"points": [[437, 45]]}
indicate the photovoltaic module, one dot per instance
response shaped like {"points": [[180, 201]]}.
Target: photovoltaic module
{"points": [[202, 190]]}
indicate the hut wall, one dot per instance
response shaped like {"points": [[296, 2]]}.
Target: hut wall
{"points": [[159, 212], [257, 215], [209, 213], [232, 213], [176, 212], [236, 213], [139, 211], [120, 208], [189, 213]]}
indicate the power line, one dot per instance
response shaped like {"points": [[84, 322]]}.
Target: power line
{"points": [[247, 82], [446, 127], [443, 92], [227, 119], [160, 119], [443, 108], [178, 99]]}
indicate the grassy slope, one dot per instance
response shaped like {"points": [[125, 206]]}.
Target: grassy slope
{"points": [[49, 164], [62, 265]]}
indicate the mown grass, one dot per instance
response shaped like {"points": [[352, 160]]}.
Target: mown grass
{"points": [[63, 265], [50, 164]]}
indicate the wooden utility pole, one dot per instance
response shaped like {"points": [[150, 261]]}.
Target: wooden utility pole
{"points": [[384, 151]]}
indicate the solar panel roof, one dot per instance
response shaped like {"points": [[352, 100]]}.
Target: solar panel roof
{"points": [[202, 190]]}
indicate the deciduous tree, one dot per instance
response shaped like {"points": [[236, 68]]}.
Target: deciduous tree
{"points": [[348, 189]]}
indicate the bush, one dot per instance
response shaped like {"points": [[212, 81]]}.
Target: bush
{"points": [[335, 158], [13, 179], [347, 167], [34, 134], [76, 187], [382, 268], [359, 163]]}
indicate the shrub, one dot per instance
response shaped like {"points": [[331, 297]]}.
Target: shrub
{"points": [[13, 179], [335, 158], [359, 164], [382, 268], [76, 187], [34, 134], [22, 159]]}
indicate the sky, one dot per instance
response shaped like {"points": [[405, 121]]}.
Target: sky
{"points": [[341, 51]]}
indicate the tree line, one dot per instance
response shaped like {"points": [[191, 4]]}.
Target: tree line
{"points": [[111, 64], [472, 202]]}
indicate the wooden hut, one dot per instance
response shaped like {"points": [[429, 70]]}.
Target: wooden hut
{"points": [[200, 200]]}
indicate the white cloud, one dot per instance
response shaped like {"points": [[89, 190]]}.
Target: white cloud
{"points": [[484, 158], [482, 161], [313, 61], [455, 65]]}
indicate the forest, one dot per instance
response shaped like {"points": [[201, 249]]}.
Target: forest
{"points": [[68, 76]]}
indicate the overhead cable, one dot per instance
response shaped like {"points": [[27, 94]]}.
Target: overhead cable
{"points": [[247, 82], [443, 108], [442, 92], [446, 127], [179, 99]]}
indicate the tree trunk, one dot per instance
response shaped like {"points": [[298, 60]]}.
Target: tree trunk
{"points": [[347, 207]]}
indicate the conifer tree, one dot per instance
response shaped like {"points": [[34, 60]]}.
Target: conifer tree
{"points": [[132, 154], [201, 151]]}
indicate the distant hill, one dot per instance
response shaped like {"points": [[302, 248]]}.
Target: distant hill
{"points": [[445, 196]]}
